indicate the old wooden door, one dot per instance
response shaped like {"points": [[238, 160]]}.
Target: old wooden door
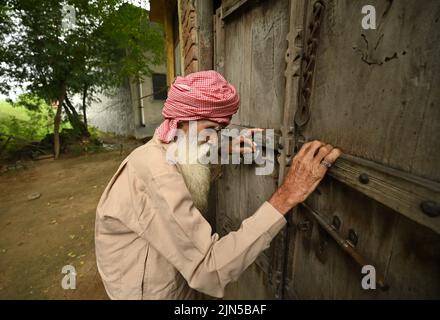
{"points": [[249, 50], [375, 93]]}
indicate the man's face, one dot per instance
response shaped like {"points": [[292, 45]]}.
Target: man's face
{"points": [[208, 124], [197, 176], [203, 125]]}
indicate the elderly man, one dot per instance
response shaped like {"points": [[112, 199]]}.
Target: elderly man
{"points": [[152, 241]]}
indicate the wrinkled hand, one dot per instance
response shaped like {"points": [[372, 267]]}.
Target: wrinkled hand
{"points": [[243, 143], [304, 175]]}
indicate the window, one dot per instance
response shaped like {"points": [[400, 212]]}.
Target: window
{"points": [[159, 86]]}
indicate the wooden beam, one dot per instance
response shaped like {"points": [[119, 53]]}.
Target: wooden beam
{"points": [[205, 44], [157, 11], [401, 191], [398, 190], [292, 73], [169, 41], [181, 40], [293, 59], [229, 6], [219, 43]]}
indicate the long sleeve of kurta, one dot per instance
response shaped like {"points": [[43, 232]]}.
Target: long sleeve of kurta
{"points": [[173, 226]]}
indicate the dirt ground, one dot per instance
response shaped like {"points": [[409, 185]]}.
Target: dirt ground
{"points": [[39, 237]]}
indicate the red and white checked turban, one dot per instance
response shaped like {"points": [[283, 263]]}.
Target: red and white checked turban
{"points": [[200, 95]]}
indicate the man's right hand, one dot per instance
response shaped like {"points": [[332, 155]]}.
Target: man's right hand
{"points": [[307, 169]]}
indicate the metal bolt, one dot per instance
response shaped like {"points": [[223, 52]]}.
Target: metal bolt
{"points": [[363, 178], [304, 226], [352, 238], [307, 92], [430, 208], [336, 224]]}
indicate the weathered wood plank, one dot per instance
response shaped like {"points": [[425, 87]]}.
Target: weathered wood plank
{"points": [[229, 6], [219, 43], [344, 244], [321, 268], [376, 92], [414, 268], [204, 11], [373, 97], [293, 55], [398, 190], [255, 66], [237, 69], [269, 31], [229, 186]]}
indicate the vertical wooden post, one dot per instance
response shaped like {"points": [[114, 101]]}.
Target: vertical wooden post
{"points": [[292, 73], [181, 39], [169, 36], [204, 11], [219, 43]]}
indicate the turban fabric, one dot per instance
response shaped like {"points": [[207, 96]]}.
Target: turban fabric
{"points": [[200, 95]]}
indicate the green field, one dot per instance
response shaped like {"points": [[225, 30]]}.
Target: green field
{"points": [[8, 111], [27, 126], [19, 122]]}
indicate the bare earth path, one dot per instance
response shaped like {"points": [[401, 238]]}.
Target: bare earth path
{"points": [[38, 237]]}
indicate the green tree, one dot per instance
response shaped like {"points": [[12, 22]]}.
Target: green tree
{"points": [[40, 117], [58, 49]]}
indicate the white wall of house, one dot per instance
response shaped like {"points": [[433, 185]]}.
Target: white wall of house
{"points": [[114, 112], [148, 106], [121, 111]]}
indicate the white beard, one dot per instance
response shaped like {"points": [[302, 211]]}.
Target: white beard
{"points": [[197, 176]]}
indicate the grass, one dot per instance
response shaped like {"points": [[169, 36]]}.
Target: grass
{"points": [[8, 111], [30, 125], [26, 126]]}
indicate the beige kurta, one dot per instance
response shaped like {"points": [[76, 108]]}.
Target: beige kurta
{"points": [[152, 243]]}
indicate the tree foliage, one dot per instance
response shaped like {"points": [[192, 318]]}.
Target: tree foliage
{"points": [[53, 53], [108, 42]]}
